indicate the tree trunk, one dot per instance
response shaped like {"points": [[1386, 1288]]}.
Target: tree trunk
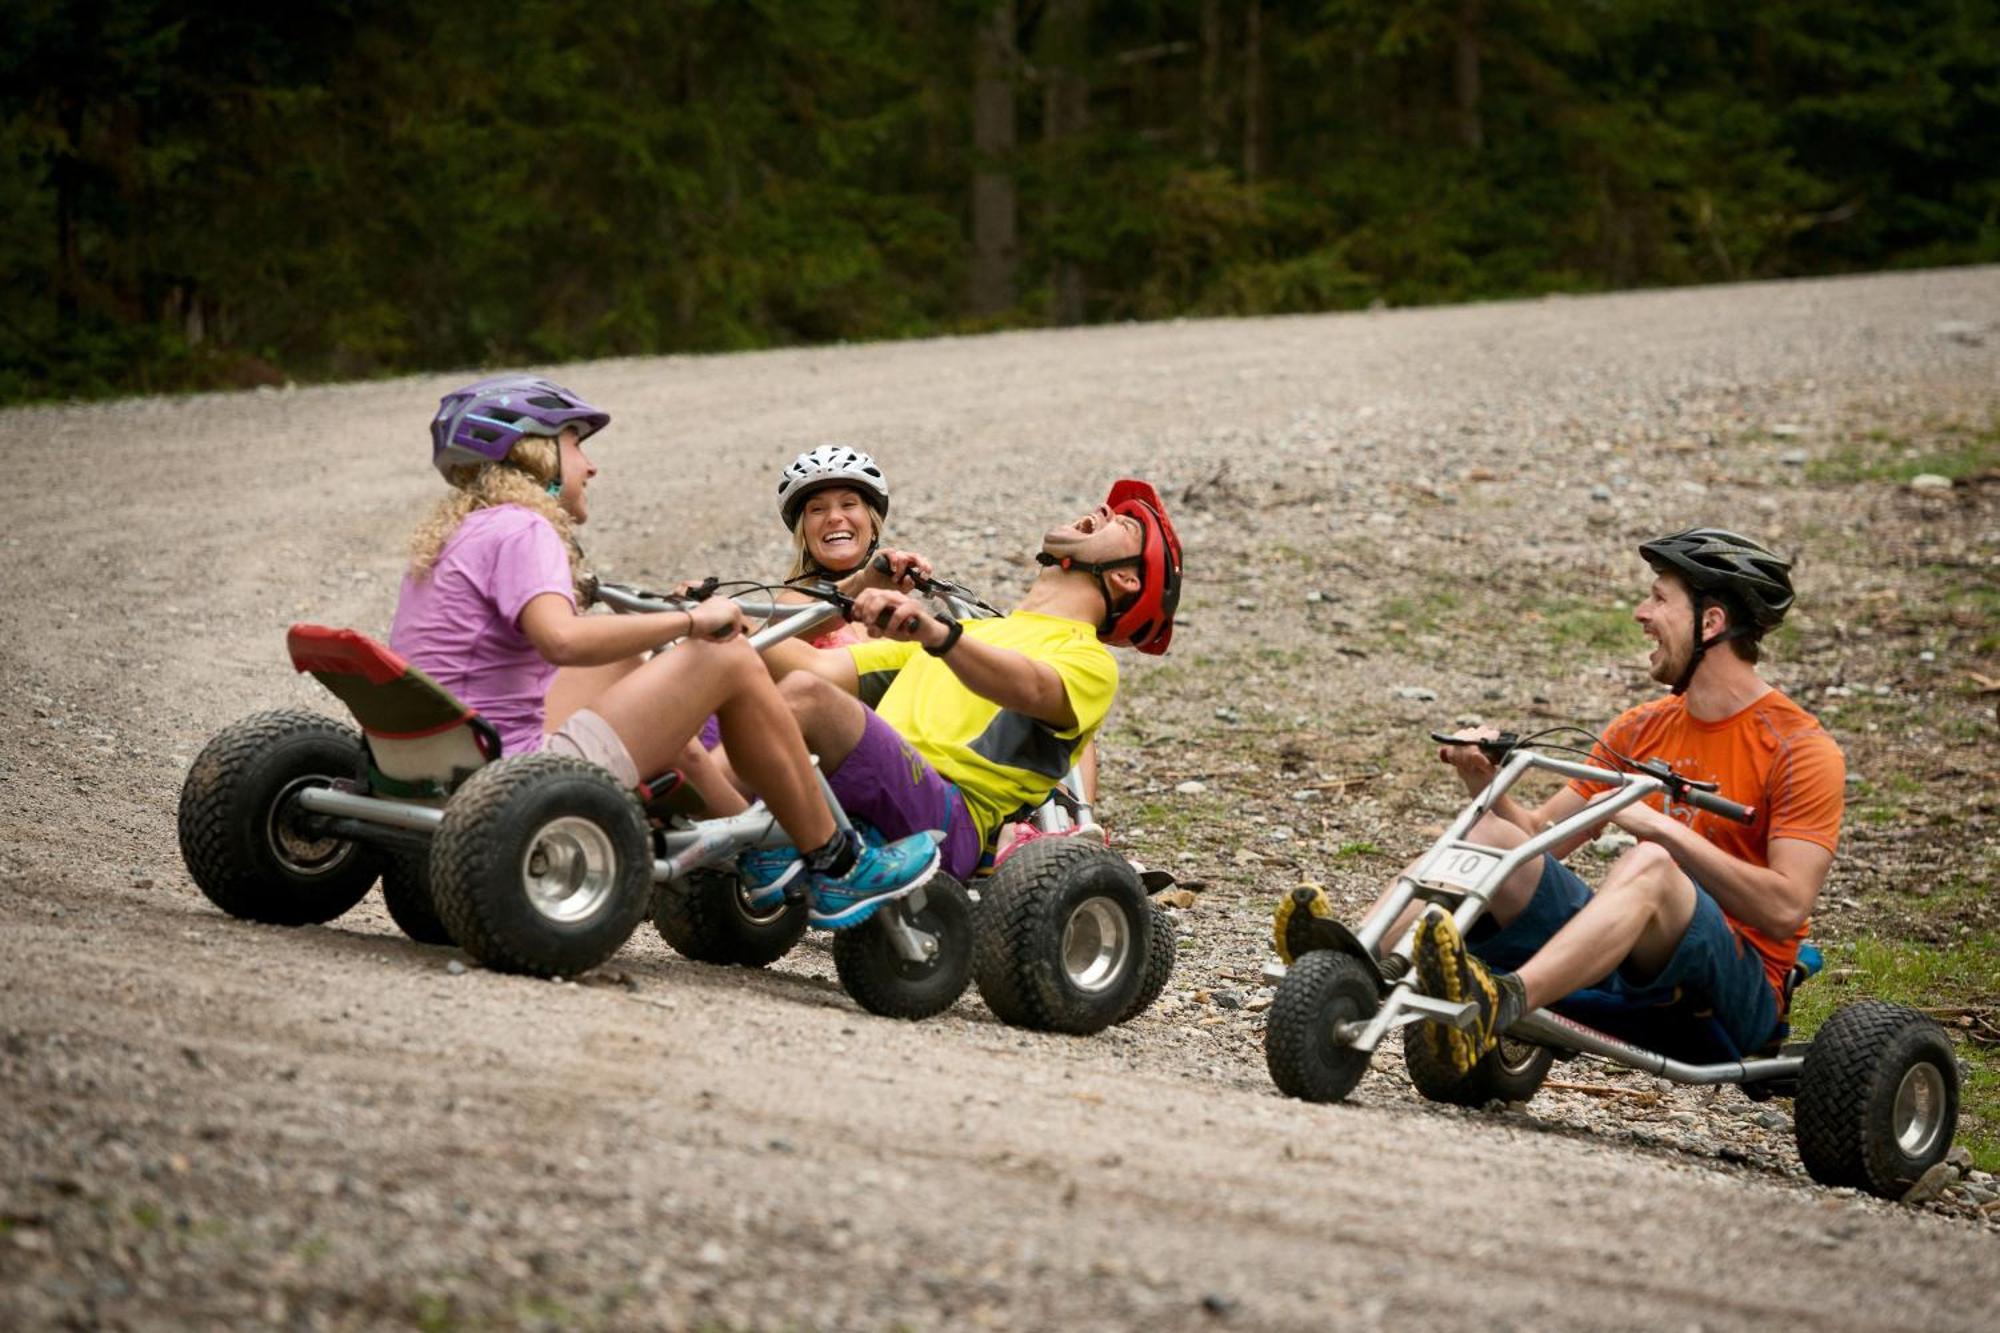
{"points": [[1253, 90], [1213, 113], [995, 248], [1465, 75], [1066, 115], [66, 175]]}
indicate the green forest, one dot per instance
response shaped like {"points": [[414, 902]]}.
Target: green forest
{"points": [[211, 194]]}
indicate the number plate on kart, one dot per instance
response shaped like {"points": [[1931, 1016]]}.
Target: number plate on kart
{"points": [[1460, 865]]}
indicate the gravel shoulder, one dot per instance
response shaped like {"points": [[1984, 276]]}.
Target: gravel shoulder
{"points": [[1393, 520]]}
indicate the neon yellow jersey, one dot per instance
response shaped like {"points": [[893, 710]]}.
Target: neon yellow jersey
{"points": [[999, 759]]}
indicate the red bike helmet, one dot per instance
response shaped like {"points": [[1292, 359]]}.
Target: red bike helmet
{"points": [[1146, 622]]}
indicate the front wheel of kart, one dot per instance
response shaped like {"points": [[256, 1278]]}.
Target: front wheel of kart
{"points": [[884, 982], [706, 918], [1306, 1057], [406, 892], [247, 844], [1511, 1072], [541, 865], [1161, 946], [1878, 1099], [1061, 937]]}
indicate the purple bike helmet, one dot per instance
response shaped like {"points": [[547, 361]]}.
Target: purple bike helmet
{"points": [[481, 422]]}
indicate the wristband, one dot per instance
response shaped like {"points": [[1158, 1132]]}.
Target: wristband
{"points": [[952, 629]]}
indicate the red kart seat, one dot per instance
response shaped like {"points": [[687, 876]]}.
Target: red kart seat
{"points": [[422, 742]]}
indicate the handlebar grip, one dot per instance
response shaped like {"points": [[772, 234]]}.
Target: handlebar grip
{"points": [[1721, 805], [880, 564]]}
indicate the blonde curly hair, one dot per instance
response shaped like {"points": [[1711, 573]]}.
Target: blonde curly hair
{"points": [[522, 479]]}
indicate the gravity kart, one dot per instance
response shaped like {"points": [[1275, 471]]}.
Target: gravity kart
{"points": [[1875, 1091], [541, 864], [1066, 937]]}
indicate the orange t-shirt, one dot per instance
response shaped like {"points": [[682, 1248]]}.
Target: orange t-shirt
{"points": [[1772, 755]]}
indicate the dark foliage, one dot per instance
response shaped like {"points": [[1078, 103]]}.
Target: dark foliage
{"points": [[200, 194]]}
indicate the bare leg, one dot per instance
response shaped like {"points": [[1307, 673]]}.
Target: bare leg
{"points": [[830, 719], [575, 687], [657, 709], [708, 774], [1637, 917]]}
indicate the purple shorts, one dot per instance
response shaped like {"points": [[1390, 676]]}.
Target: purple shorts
{"points": [[886, 783]]}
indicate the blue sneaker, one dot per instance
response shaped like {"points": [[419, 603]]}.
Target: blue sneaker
{"points": [[766, 873], [880, 874]]}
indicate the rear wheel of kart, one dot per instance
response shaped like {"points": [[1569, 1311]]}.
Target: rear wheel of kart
{"points": [[541, 865], [1306, 1057], [1511, 1072], [705, 917], [1161, 945], [246, 842], [406, 892], [1878, 1099], [1061, 937], [884, 982]]}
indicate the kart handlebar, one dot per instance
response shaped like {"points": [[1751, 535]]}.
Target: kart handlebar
{"points": [[932, 586], [1701, 795], [1720, 805]]}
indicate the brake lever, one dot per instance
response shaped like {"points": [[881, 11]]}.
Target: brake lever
{"points": [[1495, 748], [1677, 782]]}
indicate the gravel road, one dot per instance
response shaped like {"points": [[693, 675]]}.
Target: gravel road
{"points": [[1393, 520]]}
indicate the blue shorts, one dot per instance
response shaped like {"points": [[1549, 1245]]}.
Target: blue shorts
{"points": [[1712, 965], [887, 784]]}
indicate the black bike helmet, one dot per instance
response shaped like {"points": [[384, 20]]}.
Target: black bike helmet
{"points": [[1712, 561], [1752, 582]]}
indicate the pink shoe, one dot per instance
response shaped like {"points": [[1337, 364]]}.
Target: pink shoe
{"points": [[1015, 836]]}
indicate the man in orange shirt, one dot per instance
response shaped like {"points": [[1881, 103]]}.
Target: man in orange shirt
{"points": [[1706, 905]]}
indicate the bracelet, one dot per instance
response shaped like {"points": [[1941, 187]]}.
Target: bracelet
{"points": [[952, 629]]}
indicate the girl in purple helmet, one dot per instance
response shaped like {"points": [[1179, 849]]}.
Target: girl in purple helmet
{"points": [[490, 609]]}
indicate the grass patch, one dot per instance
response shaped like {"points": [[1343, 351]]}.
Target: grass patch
{"points": [[1886, 802], [1349, 852], [1965, 975], [1970, 599], [1593, 626], [433, 1312], [1420, 614], [1890, 460], [1166, 819]]}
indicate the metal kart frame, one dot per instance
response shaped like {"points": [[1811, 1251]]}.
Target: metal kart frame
{"points": [[684, 846], [1462, 877]]}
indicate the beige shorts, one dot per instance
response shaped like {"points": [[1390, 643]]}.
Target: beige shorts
{"points": [[588, 736]]}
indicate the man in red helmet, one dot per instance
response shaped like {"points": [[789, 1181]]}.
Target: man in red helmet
{"points": [[977, 720]]}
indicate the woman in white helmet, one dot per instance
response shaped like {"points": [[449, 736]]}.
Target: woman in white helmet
{"points": [[834, 500]]}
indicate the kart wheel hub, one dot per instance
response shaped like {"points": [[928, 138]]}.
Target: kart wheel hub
{"points": [[1919, 1111], [1095, 943], [288, 831], [569, 869]]}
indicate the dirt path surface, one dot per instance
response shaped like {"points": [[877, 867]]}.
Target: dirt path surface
{"points": [[1393, 520]]}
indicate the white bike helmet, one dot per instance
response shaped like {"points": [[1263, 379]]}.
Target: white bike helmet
{"points": [[830, 465]]}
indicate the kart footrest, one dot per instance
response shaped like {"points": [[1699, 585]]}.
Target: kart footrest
{"points": [[1460, 1014]]}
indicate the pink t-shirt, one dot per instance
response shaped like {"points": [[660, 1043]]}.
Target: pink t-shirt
{"points": [[460, 624]]}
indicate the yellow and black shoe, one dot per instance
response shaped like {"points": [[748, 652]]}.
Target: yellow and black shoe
{"points": [[1292, 930], [1446, 970]]}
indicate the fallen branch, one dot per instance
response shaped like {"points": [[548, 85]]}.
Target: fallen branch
{"points": [[1603, 1090]]}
